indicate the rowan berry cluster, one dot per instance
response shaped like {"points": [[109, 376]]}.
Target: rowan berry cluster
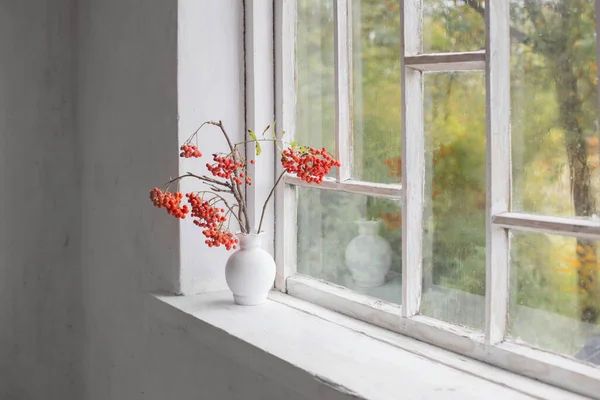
{"points": [[170, 201], [189, 151], [220, 237], [226, 167], [212, 218], [228, 172], [309, 164]]}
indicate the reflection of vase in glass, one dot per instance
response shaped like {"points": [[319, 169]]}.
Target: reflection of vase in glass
{"points": [[368, 255]]}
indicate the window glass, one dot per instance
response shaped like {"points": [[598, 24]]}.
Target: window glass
{"points": [[554, 297], [377, 106], [315, 80], [555, 149], [453, 26], [455, 197], [351, 240]]}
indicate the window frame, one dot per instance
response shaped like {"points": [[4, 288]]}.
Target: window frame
{"points": [[490, 346]]}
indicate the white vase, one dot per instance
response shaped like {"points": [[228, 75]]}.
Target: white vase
{"points": [[368, 255], [250, 271]]}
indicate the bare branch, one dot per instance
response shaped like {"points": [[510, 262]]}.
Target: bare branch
{"points": [[203, 178], [236, 188], [221, 198], [262, 214]]}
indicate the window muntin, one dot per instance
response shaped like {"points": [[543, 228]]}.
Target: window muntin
{"points": [[496, 345]]}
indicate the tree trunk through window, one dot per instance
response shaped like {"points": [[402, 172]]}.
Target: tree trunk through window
{"points": [[579, 171], [558, 53], [556, 29]]}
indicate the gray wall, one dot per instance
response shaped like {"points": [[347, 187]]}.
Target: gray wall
{"points": [[127, 127], [88, 123], [41, 314]]}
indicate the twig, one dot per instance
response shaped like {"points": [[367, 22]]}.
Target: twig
{"points": [[240, 200], [202, 178], [236, 187], [224, 202], [262, 214], [218, 190], [220, 125]]}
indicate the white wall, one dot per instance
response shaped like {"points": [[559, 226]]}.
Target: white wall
{"points": [[210, 86]]}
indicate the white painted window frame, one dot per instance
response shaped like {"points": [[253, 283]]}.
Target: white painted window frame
{"points": [[491, 346], [259, 97]]}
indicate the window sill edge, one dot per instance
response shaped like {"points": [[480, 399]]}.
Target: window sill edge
{"points": [[306, 347]]}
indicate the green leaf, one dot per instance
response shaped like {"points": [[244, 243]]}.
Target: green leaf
{"points": [[253, 136], [273, 130], [258, 149], [273, 133], [265, 131]]}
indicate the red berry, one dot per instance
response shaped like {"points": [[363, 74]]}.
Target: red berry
{"points": [[310, 165]]}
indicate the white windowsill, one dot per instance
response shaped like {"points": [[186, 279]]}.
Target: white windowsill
{"points": [[306, 347]]}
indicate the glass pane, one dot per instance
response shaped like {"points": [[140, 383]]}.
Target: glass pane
{"points": [[351, 240], [455, 198], [555, 152], [555, 294], [453, 25], [315, 83], [377, 107]]}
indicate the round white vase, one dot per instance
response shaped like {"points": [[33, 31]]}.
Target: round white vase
{"points": [[250, 271], [368, 255]]}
